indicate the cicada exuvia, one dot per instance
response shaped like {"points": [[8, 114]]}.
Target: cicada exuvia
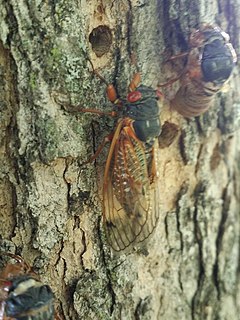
{"points": [[210, 61]]}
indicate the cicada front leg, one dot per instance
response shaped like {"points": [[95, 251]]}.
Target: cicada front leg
{"points": [[106, 140], [135, 82]]}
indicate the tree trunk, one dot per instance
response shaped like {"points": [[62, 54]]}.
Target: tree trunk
{"points": [[50, 200]]}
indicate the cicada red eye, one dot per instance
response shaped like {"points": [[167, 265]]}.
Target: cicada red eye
{"points": [[5, 285], [134, 96]]}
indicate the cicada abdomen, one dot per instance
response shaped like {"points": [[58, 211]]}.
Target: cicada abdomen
{"points": [[210, 62], [22, 295]]}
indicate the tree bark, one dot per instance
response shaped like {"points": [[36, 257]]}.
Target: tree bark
{"points": [[50, 200]]}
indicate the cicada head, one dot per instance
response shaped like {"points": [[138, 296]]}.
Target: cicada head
{"points": [[22, 295], [28, 296], [217, 55]]}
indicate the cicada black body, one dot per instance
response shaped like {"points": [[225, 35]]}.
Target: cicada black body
{"points": [[130, 187], [22, 295], [210, 62]]}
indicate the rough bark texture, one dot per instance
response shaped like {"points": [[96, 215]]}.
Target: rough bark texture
{"points": [[49, 200]]}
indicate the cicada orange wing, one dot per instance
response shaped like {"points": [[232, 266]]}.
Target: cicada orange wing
{"points": [[130, 189]]}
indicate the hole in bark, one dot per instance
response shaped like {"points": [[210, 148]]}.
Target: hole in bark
{"points": [[215, 158], [168, 134], [101, 40]]}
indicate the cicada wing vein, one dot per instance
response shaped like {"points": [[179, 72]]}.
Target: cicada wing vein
{"points": [[129, 195]]}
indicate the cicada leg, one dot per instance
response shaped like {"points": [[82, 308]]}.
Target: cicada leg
{"points": [[112, 95], [56, 316], [107, 139], [135, 82], [101, 113], [2, 308], [111, 91], [177, 56], [170, 82], [172, 58], [19, 259]]}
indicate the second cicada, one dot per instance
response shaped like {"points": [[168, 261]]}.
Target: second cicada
{"points": [[22, 295], [130, 184], [210, 62]]}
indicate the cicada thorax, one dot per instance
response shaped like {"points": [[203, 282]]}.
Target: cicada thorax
{"points": [[131, 207], [22, 295], [211, 60], [145, 112]]}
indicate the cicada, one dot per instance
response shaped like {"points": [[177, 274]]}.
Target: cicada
{"points": [[130, 184], [210, 62], [22, 295]]}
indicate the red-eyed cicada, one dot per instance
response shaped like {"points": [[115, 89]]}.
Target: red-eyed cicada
{"points": [[210, 61], [22, 295], [130, 185]]}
